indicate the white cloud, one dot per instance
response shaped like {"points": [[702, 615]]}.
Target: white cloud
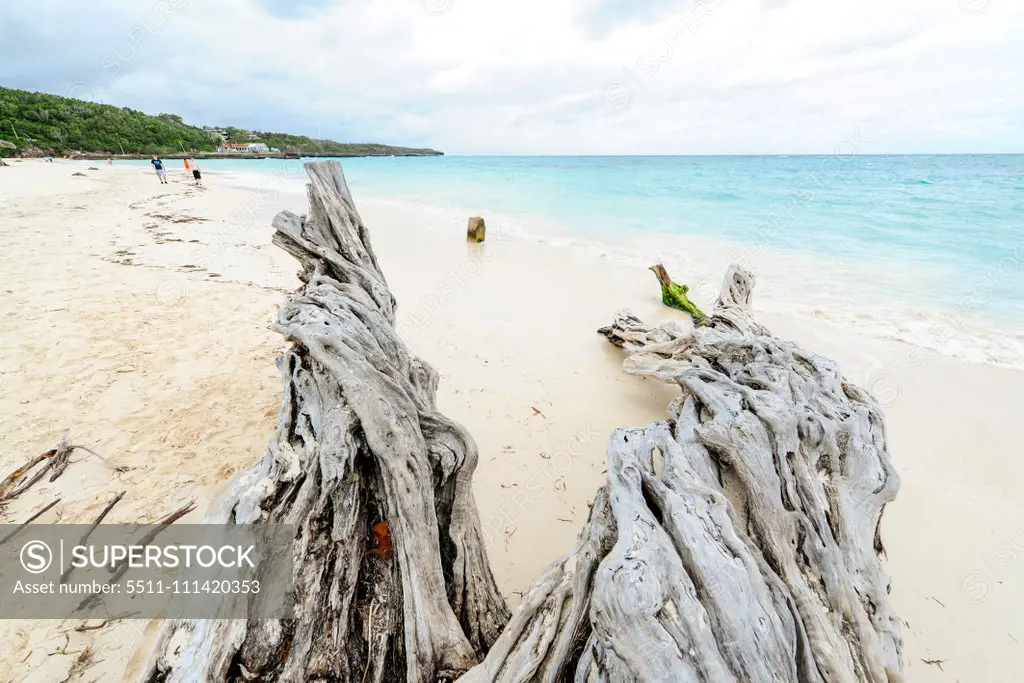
{"points": [[716, 76]]}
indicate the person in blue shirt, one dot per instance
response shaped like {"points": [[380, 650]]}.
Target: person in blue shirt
{"points": [[161, 172]]}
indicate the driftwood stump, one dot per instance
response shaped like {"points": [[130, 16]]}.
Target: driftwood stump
{"points": [[737, 541], [360, 452], [476, 230]]}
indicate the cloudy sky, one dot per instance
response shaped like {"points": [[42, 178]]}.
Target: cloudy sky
{"points": [[548, 76]]}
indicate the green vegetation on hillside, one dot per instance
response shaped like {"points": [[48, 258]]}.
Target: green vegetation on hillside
{"points": [[33, 124], [305, 146], [40, 123], [300, 144]]}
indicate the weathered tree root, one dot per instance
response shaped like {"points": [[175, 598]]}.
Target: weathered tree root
{"points": [[359, 441], [738, 541]]}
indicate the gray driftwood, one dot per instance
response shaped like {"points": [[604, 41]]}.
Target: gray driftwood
{"points": [[359, 441], [737, 541]]}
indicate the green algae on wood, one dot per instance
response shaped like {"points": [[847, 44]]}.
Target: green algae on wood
{"points": [[674, 295]]}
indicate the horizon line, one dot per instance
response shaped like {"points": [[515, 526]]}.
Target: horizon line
{"points": [[715, 154]]}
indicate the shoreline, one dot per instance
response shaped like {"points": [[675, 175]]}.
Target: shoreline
{"points": [[952, 331], [847, 295], [137, 315]]}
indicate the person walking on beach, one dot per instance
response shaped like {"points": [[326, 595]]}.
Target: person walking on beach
{"points": [[195, 172], [161, 172]]}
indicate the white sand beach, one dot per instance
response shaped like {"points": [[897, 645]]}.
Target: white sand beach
{"points": [[137, 316]]}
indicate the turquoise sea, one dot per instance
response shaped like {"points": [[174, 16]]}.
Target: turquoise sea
{"points": [[896, 234]]}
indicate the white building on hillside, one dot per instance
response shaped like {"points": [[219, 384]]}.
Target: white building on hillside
{"points": [[246, 147]]}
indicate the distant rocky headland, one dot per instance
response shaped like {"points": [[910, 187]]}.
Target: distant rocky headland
{"points": [[34, 124]]}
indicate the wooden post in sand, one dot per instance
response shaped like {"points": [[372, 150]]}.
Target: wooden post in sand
{"points": [[477, 231], [738, 541]]}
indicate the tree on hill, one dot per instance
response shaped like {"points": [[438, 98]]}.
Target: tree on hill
{"points": [[237, 136]]}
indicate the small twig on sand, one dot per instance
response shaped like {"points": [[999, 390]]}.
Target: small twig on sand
{"points": [[116, 468], [64, 648], [62, 457], [109, 620], [82, 663], [67, 572], [106, 510], [171, 519], [935, 662], [27, 522], [57, 460], [16, 476]]}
